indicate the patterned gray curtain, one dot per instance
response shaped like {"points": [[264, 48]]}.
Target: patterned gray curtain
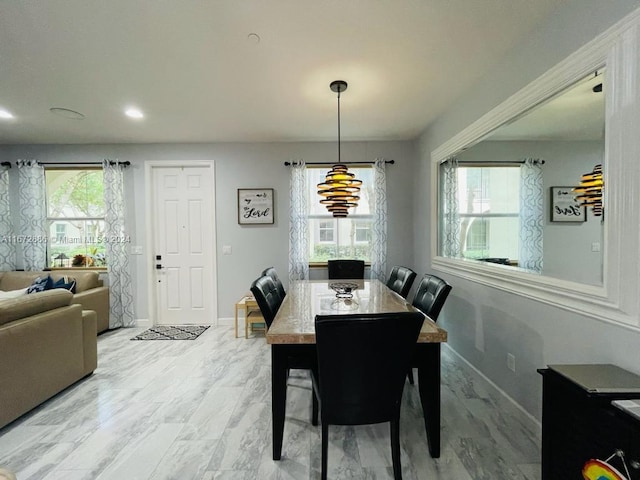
{"points": [[531, 216], [116, 245], [298, 223], [379, 227], [7, 236], [33, 215], [450, 217]]}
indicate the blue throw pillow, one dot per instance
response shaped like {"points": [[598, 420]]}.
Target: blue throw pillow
{"points": [[66, 283], [40, 284]]}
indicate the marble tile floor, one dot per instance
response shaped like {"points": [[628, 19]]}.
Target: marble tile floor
{"points": [[201, 410]]}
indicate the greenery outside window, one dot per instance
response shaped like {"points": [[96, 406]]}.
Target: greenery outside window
{"points": [[348, 237], [75, 217]]}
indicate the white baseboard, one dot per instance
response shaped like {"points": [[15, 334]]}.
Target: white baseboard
{"points": [[227, 321], [535, 422]]}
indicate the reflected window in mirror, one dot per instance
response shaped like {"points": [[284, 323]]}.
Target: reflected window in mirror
{"points": [[495, 208], [487, 220]]}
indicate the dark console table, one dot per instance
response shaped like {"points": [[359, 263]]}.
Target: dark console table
{"points": [[580, 423]]}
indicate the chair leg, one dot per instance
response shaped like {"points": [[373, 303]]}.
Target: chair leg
{"points": [[314, 408], [325, 448], [395, 448], [410, 375]]}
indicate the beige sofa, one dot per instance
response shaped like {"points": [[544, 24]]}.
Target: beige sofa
{"points": [[46, 345], [90, 291]]}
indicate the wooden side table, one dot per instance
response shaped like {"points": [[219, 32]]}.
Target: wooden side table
{"points": [[252, 315]]}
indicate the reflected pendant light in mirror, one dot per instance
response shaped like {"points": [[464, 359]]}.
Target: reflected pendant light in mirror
{"points": [[340, 189], [589, 193]]}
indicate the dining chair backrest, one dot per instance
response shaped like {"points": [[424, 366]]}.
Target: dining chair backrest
{"points": [[362, 363], [271, 272], [430, 295], [345, 269], [400, 280], [265, 292]]}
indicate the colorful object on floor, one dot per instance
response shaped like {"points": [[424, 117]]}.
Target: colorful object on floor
{"points": [[167, 332], [601, 470]]}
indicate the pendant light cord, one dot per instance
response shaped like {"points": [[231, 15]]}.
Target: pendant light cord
{"points": [[339, 125]]}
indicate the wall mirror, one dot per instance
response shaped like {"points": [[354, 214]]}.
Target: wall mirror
{"points": [[509, 213], [589, 264]]}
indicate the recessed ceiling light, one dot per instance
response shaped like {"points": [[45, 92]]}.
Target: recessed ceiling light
{"points": [[134, 113], [67, 113], [5, 114]]}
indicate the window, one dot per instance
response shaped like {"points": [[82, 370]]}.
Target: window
{"points": [[75, 217], [488, 206], [348, 237]]}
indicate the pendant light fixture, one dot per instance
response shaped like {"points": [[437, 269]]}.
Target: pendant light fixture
{"points": [[589, 193], [340, 189]]}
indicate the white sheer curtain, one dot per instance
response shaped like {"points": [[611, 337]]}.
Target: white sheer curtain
{"points": [[33, 215], [298, 226], [7, 243], [531, 216], [379, 226], [450, 217], [120, 287]]}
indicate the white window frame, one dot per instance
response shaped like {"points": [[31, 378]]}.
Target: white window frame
{"points": [[51, 220], [616, 300]]}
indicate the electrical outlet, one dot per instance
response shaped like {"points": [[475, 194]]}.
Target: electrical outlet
{"points": [[511, 362]]}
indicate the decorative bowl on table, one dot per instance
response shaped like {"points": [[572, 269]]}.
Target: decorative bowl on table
{"points": [[343, 289]]}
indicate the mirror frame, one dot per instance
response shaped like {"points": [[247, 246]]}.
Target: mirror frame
{"points": [[617, 300]]}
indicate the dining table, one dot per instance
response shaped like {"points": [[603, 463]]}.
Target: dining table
{"points": [[292, 335]]}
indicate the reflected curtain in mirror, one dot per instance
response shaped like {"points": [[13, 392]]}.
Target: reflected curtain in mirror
{"points": [[298, 226], [450, 226], [531, 216]]}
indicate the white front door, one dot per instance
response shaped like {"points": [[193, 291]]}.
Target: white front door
{"points": [[184, 244]]}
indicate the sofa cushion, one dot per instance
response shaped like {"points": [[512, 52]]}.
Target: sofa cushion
{"points": [[40, 284], [24, 306]]}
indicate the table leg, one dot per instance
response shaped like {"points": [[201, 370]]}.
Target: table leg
{"points": [[428, 363], [278, 396], [236, 320]]}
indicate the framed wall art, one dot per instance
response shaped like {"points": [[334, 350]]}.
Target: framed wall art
{"points": [[564, 207], [255, 206]]}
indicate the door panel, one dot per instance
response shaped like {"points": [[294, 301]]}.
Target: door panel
{"points": [[184, 238]]}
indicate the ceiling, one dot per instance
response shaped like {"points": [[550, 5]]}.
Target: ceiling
{"points": [[245, 70]]}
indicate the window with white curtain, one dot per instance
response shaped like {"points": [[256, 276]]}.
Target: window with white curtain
{"points": [[348, 237]]}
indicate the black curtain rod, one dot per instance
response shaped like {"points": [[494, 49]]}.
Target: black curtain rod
{"points": [[288, 164], [494, 162], [72, 164], [111, 162]]}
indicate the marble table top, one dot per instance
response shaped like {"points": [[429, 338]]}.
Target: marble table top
{"points": [[295, 321]]}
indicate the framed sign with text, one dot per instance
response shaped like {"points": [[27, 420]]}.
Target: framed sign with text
{"points": [[255, 206], [564, 207]]}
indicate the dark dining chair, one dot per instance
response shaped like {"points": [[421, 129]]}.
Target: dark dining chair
{"points": [[271, 272], [400, 280], [362, 363], [429, 298], [345, 269], [267, 297]]}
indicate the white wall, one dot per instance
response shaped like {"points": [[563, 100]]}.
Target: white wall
{"points": [[243, 166], [484, 324]]}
